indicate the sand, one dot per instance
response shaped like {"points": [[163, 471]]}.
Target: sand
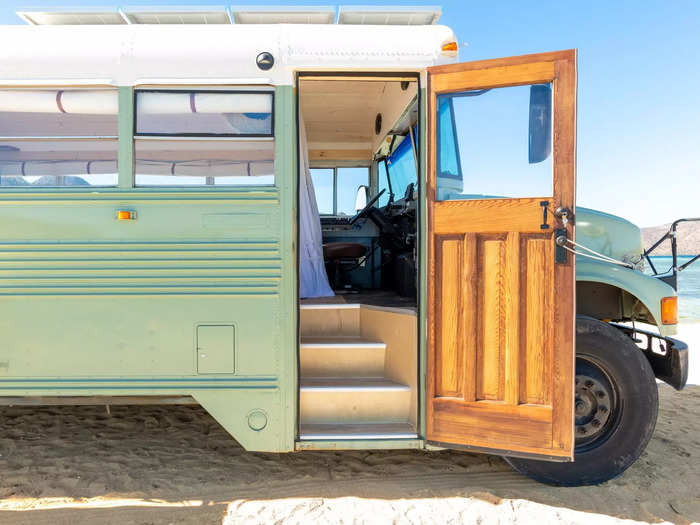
{"points": [[153, 465], [689, 332]]}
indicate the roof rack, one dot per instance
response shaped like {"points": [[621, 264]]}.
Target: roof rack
{"points": [[217, 15]]}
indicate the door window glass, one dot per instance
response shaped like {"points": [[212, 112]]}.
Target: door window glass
{"points": [[494, 143]]}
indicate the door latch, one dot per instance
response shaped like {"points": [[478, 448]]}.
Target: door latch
{"points": [[564, 214], [560, 240]]}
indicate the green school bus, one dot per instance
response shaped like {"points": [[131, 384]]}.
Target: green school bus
{"points": [[325, 230]]}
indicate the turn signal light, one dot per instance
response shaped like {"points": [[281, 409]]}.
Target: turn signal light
{"points": [[450, 46], [125, 215], [669, 310]]}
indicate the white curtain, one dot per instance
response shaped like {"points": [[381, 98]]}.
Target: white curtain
{"points": [[313, 281]]}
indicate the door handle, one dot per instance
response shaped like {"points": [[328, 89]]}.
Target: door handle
{"points": [[544, 225]]}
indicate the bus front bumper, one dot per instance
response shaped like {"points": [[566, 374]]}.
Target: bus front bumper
{"points": [[668, 357]]}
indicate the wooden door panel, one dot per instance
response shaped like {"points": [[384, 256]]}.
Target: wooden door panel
{"points": [[523, 431], [488, 215], [535, 365], [500, 310], [495, 76]]}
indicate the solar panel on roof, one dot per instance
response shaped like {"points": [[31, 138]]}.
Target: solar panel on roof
{"points": [[60, 17], [177, 15], [388, 15], [357, 15], [283, 15]]}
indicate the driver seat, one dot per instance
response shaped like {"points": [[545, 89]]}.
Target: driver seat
{"points": [[337, 254]]}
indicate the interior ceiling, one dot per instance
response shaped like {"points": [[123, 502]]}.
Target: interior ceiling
{"points": [[340, 115]]}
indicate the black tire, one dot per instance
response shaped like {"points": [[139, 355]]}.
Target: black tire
{"points": [[610, 370]]}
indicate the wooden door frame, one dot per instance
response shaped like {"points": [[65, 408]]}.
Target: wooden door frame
{"points": [[560, 69]]}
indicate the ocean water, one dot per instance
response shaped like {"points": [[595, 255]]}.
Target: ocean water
{"points": [[688, 286]]}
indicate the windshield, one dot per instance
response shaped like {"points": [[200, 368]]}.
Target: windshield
{"points": [[401, 165]]}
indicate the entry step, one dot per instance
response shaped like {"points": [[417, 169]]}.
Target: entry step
{"points": [[341, 356], [351, 384], [349, 400], [339, 341], [341, 431]]}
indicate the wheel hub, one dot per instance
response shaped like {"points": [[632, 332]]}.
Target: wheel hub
{"points": [[591, 406]]}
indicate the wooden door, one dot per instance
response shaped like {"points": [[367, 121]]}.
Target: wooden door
{"points": [[501, 296]]}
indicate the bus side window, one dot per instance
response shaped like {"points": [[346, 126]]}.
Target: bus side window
{"points": [[58, 137], [204, 138]]}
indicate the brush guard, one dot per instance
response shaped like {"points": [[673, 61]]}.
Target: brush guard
{"points": [[671, 276]]}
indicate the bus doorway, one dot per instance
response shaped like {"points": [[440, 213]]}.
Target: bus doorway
{"points": [[358, 230]]}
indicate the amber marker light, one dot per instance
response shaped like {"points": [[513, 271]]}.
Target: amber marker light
{"points": [[124, 215], [450, 47], [669, 310]]}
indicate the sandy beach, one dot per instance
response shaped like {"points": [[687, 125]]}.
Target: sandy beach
{"points": [[153, 465], [689, 333]]}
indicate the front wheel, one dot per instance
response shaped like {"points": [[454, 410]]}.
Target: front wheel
{"points": [[615, 409]]}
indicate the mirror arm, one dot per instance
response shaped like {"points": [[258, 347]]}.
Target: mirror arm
{"points": [[388, 180]]}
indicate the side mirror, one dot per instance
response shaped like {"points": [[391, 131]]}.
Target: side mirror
{"points": [[361, 198], [540, 132]]}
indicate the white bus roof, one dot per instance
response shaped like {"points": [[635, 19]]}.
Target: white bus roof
{"points": [[210, 54]]}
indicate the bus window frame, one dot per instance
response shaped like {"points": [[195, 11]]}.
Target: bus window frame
{"points": [[233, 137], [182, 90]]}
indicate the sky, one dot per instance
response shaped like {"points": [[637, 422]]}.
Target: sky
{"points": [[638, 91]]}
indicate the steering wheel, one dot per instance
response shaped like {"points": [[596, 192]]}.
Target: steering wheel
{"points": [[369, 205]]}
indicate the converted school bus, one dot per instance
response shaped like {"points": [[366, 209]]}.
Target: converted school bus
{"points": [[329, 235]]}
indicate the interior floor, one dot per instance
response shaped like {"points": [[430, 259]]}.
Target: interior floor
{"points": [[387, 298]]}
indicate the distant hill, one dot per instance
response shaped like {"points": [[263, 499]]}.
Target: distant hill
{"points": [[68, 180], [46, 180], [688, 238]]}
